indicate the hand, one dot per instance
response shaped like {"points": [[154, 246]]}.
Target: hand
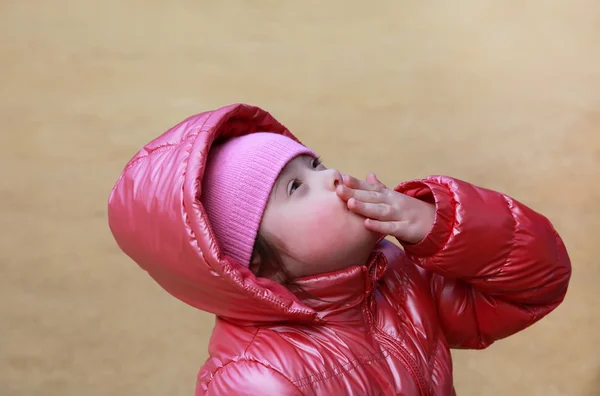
{"points": [[387, 211]]}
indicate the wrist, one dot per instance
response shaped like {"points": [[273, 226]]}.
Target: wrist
{"points": [[430, 192], [426, 220], [421, 224]]}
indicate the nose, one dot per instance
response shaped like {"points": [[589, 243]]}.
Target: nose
{"points": [[333, 178]]}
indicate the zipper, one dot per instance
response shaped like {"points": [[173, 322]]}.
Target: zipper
{"points": [[388, 341]]}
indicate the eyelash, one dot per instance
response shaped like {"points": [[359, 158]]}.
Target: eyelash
{"points": [[297, 183], [316, 162]]}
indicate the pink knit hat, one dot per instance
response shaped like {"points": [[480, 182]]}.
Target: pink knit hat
{"points": [[238, 179]]}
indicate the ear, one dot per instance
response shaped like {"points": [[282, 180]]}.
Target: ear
{"points": [[254, 262]]}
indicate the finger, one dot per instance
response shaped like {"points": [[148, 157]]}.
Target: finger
{"points": [[372, 178], [370, 196], [344, 192], [352, 182], [383, 227], [377, 211]]}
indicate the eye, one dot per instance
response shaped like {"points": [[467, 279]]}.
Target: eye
{"points": [[293, 186], [316, 162]]}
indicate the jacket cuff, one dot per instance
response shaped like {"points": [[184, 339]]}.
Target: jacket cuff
{"points": [[430, 191]]}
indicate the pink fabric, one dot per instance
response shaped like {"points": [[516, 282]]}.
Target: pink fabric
{"points": [[238, 180]]}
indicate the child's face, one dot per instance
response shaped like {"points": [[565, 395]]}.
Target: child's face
{"points": [[311, 224]]}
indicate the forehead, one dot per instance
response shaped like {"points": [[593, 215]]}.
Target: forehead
{"points": [[295, 163]]}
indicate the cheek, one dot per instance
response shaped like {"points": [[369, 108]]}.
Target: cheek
{"points": [[324, 227]]}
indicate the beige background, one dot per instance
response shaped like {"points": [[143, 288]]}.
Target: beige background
{"points": [[505, 94]]}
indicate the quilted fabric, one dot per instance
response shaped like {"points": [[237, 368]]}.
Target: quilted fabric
{"points": [[490, 267]]}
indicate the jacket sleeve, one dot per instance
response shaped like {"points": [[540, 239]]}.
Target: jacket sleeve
{"points": [[496, 266], [245, 377]]}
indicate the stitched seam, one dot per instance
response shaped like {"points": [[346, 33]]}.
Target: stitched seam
{"points": [[436, 346], [256, 362], [346, 368], [324, 373], [454, 205], [431, 362], [530, 309], [404, 281], [401, 297], [477, 329], [167, 146], [237, 280], [508, 202], [158, 150], [251, 341]]}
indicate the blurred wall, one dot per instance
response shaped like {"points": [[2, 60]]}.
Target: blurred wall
{"points": [[503, 94]]}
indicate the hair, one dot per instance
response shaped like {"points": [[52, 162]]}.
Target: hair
{"points": [[266, 262]]}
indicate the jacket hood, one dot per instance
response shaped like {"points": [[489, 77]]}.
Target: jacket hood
{"points": [[157, 219]]}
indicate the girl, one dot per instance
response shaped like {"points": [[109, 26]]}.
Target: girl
{"points": [[228, 212]]}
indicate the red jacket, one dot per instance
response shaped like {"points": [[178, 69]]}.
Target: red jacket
{"points": [[489, 268]]}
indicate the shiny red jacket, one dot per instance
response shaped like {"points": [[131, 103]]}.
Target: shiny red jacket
{"points": [[489, 268]]}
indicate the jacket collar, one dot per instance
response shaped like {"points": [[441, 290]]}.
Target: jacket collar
{"points": [[337, 296]]}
